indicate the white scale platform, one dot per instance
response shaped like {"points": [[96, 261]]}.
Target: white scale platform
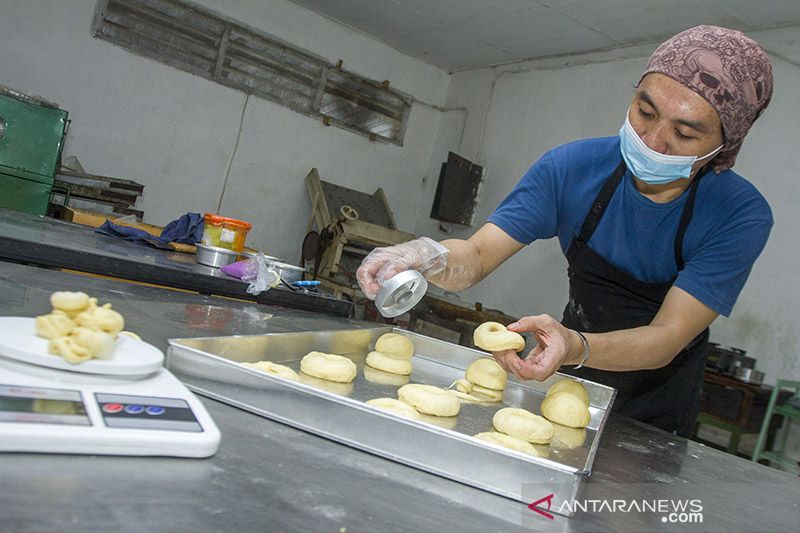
{"points": [[127, 405]]}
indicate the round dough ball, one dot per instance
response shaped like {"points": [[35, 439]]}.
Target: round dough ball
{"points": [[389, 363], [395, 406], [384, 378], [334, 387], [494, 337], [53, 325], [487, 373], [429, 399], [567, 438], [444, 422], [566, 409], [523, 425], [329, 367], [507, 441], [395, 344], [571, 386], [69, 301], [269, 367]]}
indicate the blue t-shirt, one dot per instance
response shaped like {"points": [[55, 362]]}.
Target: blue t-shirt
{"points": [[728, 230]]}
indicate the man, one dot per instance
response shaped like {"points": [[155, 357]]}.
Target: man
{"points": [[659, 234]]}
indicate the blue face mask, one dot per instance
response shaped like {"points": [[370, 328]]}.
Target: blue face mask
{"points": [[653, 167]]}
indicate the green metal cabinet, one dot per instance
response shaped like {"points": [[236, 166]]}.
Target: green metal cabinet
{"points": [[31, 138]]}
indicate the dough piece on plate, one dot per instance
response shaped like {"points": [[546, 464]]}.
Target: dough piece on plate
{"points": [[269, 367], [71, 351], [494, 336], [54, 325], [486, 372], [395, 406], [99, 343], [566, 409], [329, 366], [507, 441], [101, 318], [571, 386], [395, 344], [523, 425], [69, 301], [389, 363], [429, 399], [130, 334]]}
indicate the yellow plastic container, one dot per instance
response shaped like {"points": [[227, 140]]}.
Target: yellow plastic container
{"points": [[223, 232]]}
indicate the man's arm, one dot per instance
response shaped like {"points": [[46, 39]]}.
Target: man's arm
{"points": [[471, 260], [680, 319]]}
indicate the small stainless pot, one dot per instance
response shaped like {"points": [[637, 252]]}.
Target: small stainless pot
{"points": [[749, 375], [215, 257]]}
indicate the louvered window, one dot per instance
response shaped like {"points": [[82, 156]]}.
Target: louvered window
{"points": [[192, 39]]}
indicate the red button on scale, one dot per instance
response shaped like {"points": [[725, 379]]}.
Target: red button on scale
{"points": [[112, 407]]}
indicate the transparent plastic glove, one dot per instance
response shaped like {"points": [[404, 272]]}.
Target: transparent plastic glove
{"points": [[424, 255], [260, 274]]}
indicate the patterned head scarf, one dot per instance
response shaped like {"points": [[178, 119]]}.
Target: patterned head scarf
{"points": [[725, 67]]}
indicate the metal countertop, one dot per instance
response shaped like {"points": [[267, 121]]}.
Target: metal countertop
{"points": [[51, 242], [270, 477]]}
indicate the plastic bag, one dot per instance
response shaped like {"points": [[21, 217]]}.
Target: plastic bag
{"points": [[257, 271]]}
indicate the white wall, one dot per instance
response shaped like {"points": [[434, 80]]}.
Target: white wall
{"points": [[176, 133], [516, 113]]}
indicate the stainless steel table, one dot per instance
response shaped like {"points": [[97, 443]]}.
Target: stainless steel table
{"points": [[270, 477], [49, 242]]}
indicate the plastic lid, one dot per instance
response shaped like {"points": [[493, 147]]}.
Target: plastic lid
{"points": [[218, 220], [401, 293]]}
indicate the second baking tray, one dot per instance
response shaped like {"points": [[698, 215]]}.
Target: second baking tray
{"points": [[211, 366]]}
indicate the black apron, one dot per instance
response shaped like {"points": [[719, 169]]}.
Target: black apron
{"points": [[605, 298]]}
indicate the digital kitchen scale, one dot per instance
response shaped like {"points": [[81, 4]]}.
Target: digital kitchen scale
{"points": [[127, 405]]}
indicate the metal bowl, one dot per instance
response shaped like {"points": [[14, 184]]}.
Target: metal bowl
{"points": [[215, 257], [288, 273]]}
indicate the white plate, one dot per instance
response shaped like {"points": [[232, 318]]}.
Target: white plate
{"points": [[18, 340]]}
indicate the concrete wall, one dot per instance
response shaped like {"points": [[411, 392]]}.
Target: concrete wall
{"points": [[177, 133], [515, 113]]}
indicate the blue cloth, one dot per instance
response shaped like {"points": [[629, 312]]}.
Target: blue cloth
{"points": [[728, 231], [186, 229]]}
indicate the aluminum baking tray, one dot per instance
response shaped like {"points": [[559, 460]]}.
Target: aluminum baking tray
{"points": [[211, 367]]}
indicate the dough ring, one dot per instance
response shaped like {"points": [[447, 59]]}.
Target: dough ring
{"points": [[507, 441], [389, 363], [395, 344], [566, 409], [571, 386], [485, 372], [523, 425], [395, 406], [329, 367], [384, 378], [494, 337], [269, 367], [429, 399], [487, 395], [69, 301]]}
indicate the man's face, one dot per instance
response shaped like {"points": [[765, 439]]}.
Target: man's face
{"points": [[674, 120]]}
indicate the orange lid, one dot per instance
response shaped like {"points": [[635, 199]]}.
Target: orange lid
{"points": [[218, 220]]}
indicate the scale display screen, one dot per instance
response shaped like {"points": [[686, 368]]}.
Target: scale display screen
{"points": [[37, 405]]}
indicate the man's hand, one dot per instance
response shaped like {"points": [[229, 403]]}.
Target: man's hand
{"points": [[556, 345]]}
